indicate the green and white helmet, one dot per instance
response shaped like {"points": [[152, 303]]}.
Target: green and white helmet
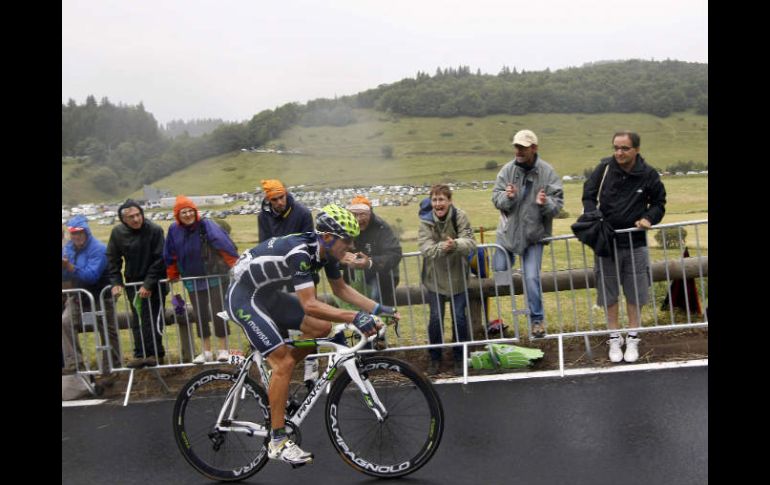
{"points": [[337, 221]]}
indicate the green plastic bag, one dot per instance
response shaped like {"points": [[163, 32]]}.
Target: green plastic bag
{"points": [[505, 356]]}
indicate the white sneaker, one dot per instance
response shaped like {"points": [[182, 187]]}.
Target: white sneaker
{"points": [[311, 370], [632, 349], [205, 356], [223, 355], [288, 452], [616, 354]]}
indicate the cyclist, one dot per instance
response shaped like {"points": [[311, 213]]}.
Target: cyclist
{"points": [[259, 300]]}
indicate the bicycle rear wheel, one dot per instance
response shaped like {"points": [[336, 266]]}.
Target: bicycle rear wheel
{"points": [[409, 435], [225, 456]]}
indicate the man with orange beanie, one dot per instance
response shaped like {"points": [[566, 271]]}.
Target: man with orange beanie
{"points": [[281, 214]]}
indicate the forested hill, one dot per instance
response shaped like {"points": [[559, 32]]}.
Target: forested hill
{"points": [[658, 88], [110, 150]]}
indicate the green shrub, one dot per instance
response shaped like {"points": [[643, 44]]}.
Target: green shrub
{"points": [[672, 237], [490, 165]]}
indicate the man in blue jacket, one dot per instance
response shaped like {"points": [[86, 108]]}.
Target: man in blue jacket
{"points": [[84, 266]]}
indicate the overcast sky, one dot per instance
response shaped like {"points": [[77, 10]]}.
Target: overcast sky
{"points": [[230, 59]]}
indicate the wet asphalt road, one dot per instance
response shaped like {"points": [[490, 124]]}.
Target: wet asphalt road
{"points": [[634, 427]]}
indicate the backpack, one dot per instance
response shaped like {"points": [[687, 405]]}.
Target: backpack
{"points": [[480, 270]]}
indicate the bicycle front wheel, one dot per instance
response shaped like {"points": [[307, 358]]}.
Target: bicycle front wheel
{"points": [[411, 431], [227, 456]]}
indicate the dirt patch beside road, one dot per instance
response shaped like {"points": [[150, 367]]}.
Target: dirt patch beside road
{"points": [[668, 346]]}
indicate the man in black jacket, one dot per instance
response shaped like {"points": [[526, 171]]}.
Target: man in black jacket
{"points": [[632, 195], [139, 243], [379, 253]]}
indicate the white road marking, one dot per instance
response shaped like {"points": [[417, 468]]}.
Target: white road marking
{"points": [[574, 372], [82, 402]]}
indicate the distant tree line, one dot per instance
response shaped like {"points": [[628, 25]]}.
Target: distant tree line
{"points": [[195, 127], [655, 87]]}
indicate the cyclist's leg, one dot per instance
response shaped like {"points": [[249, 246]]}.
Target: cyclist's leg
{"points": [[292, 317], [246, 309]]}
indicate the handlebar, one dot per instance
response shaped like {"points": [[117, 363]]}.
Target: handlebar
{"points": [[364, 339]]}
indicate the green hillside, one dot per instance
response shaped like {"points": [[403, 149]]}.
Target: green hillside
{"points": [[428, 150]]}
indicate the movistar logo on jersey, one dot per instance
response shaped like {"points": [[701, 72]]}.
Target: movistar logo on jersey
{"points": [[243, 315]]}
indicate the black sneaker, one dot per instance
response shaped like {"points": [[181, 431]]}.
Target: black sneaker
{"points": [[458, 368], [433, 367]]}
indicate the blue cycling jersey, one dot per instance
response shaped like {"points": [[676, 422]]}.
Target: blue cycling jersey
{"points": [[258, 298], [283, 262]]}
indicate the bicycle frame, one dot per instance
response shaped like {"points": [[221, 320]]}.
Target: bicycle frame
{"points": [[345, 356]]}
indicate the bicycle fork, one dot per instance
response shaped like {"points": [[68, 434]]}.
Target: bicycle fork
{"points": [[235, 394], [367, 390]]}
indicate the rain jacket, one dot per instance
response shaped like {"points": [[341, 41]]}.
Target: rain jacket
{"points": [[182, 250], [445, 273], [90, 261], [380, 243], [295, 219], [626, 197], [142, 250], [522, 222]]}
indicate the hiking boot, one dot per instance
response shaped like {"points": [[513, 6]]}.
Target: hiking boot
{"points": [[632, 349], [136, 363], [538, 329], [223, 355], [287, 451], [616, 354], [433, 367], [68, 370], [153, 361], [203, 357]]}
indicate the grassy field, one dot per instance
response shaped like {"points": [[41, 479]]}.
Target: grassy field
{"points": [[429, 150]]}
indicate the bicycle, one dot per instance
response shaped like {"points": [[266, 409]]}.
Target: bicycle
{"points": [[382, 415]]}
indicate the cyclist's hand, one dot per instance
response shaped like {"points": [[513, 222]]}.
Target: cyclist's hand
{"points": [[366, 323], [384, 310]]}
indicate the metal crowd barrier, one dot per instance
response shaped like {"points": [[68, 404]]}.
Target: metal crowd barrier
{"points": [[496, 305], [568, 284]]}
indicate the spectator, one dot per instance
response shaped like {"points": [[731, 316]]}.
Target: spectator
{"points": [[379, 253], [632, 196], [183, 255], [446, 239], [528, 194], [138, 243], [281, 215], [84, 266]]}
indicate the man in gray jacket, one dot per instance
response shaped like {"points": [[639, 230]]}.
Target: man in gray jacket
{"points": [[528, 193]]}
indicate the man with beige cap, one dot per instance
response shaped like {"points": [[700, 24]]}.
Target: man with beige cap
{"points": [[528, 193]]}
